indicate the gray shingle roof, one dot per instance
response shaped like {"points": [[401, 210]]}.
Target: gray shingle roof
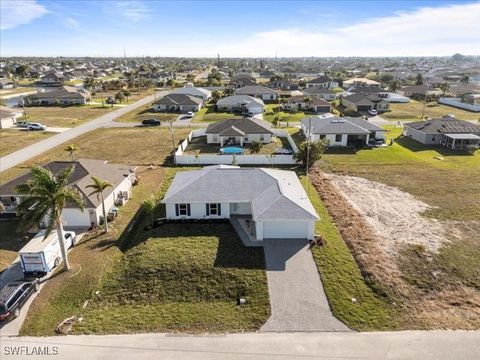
{"points": [[446, 125], [319, 80], [333, 125], [273, 194], [80, 178], [245, 125], [179, 99], [317, 90], [254, 90]]}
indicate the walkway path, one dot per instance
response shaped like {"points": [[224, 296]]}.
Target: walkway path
{"points": [[297, 298], [38, 148]]}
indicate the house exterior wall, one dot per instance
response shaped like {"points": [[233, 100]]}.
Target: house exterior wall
{"points": [[7, 122], [415, 134], [197, 211], [382, 106], [267, 138]]}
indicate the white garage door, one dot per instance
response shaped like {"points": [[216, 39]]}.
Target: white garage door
{"points": [[285, 230]]}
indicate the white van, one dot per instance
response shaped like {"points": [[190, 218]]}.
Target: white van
{"points": [[41, 255]]}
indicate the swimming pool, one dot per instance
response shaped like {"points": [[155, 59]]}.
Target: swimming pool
{"points": [[231, 150]]}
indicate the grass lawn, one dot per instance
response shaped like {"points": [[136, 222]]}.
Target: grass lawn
{"points": [[146, 112], [199, 145], [342, 279], [414, 168], [208, 114], [413, 111], [274, 110], [10, 242], [135, 95], [26, 82], [73, 82], [18, 90], [12, 140], [135, 146], [64, 116]]}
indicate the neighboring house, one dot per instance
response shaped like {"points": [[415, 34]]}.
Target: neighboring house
{"points": [[241, 80], [241, 104], [341, 132], [7, 84], [66, 95], [447, 131], [308, 103], [266, 203], [361, 102], [419, 91], [52, 78], [239, 131], [381, 93], [258, 91], [284, 85], [360, 82], [203, 94], [322, 81], [178, 102], [470, 102], [321, 92], [120, 176], [8, 117]]}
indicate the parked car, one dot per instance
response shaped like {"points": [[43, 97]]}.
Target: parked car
{"points": [[23, 124], [36, 127], [373, 112], [151, 122], [13, 296], [189, 114]]}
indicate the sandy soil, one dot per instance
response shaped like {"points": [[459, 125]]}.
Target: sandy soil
{"points": [[395, 216]]}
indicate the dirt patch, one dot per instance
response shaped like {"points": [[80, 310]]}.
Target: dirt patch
{"points": [[395, 216]]}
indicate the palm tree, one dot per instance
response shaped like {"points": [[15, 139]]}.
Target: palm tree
{"points": [[465, 79], [419, 79], [98, 187], [394, 85], [71, 150], [445, 87], [45, 197]]}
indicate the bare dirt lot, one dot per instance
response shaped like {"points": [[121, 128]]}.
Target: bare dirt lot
{"points": [[429, 268]]}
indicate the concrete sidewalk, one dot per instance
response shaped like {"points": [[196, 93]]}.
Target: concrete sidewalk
{"points": [[406, 345]]}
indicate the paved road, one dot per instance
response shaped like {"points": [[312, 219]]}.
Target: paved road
{"points": [[33, 150], [297, 298], [409, 345]]}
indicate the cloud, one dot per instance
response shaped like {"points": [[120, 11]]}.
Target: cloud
{"points": [[425, 31], [19, 12], [133, 10], [71, 23]]}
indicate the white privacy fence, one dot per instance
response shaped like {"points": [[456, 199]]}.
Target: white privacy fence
{"points": [[217, 159]]}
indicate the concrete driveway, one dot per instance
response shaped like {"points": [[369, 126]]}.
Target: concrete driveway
{"points": [[297, 299]]}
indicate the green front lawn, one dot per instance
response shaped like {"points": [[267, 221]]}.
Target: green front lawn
{"points": [[413, 111], [342, 279], [273, 111], [13, 139], [208, 114], [146, 112]]}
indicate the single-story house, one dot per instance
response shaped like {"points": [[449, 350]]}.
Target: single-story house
{"points": [[178, 102], [120, 176], [241, 80], [257, 91], [241, 104], [203, 94], [360, 82], [419, 91], [52, 77], [272, 203], [447, 131], [65, 95], [320, 92], [308, 103], [470, 102], [8, 116], [285, 85], [341, 132], [321, 81], [363, 102], [239, 131], [7, 84]]}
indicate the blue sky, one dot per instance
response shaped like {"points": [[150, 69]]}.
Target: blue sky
{"points": [[241, 28]]}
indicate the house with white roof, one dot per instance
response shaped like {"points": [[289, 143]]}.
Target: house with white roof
{"points": [[241, 104], [201, 93], [341, 131], [264, 203]]}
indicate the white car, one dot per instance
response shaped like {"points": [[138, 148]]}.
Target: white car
{"points": [[189, 114], [36, 126], [373, 112]]}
